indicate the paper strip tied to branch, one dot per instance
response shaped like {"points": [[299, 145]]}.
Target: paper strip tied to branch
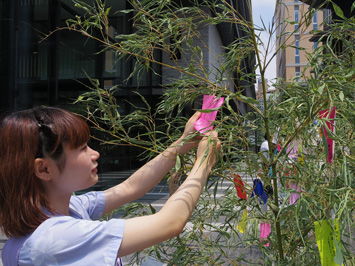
{"points": [[330, 123], [258, 190], [328, 241], [265, 230], [204, 123], [294, 196], [239, 186], [243, 223]]}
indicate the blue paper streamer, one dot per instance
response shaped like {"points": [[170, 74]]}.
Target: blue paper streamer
{"points": [[259, 190]]}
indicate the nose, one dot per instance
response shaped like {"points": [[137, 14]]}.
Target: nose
{"points": [[94, 154]]}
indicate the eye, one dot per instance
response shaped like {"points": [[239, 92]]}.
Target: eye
{"points": [[84, 147]]}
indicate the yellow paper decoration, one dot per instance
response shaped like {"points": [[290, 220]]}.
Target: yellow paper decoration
{"points": [[326, 242], [242, 226], [300, 154]]}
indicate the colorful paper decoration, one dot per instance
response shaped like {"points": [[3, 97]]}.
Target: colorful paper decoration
{"points": [[258, 190], [330, 115], [300, 154], [242, 225], [205, 120], [239, 186], [328, 241], [294, 196], [265, 230]]}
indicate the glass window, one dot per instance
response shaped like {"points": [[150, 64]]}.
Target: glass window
{"points": [[315, 45], [297, 51], [77, 56], [297, 59], [315, 21], [296, 16], [298, 71]]}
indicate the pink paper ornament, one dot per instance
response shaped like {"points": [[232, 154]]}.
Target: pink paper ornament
{"points": [[265, 230], [204, 123]]}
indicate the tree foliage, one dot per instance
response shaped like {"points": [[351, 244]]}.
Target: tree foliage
{"points": [[327, 189]]}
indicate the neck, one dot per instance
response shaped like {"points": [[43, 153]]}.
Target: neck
{"points": [[60, 203]]}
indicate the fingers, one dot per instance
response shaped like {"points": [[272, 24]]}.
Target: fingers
{"points": [[192, 120], [212, 133], [189, 127], [214, 137], [211, 146], [195, 116]]}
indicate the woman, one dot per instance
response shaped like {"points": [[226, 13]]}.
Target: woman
{"points": [[45, 158]]}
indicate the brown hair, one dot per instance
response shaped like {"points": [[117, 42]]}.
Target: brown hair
{"points": [[25, 136]]}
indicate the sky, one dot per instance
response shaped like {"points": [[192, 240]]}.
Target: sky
{"points": [[263, 10]]}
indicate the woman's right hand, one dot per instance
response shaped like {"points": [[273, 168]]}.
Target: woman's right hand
{"points": [[208, 149]]}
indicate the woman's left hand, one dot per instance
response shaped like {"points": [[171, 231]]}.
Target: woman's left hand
{"points": [[188, 132]]}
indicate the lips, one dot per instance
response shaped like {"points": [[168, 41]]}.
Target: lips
{"points": [[94, 170]]}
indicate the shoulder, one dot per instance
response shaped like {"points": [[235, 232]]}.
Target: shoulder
{"points": [[62, 237], [88, 206]]}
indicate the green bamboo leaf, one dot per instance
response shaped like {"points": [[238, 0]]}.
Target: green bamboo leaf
{"points": [[321, 88], [177, 164], [215, 191], [152, 209], [344, 203], [107, 11], [249, 100], [297, 213], [338, 10], [208, 110], [126, 11]]}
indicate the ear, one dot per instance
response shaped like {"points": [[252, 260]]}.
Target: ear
{"points": [[43, 169]]}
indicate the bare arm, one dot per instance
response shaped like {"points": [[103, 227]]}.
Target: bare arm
{"points": [[143, 232], [149, 175]]}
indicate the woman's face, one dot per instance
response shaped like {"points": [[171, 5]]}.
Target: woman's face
{"points": [[80, 169]]}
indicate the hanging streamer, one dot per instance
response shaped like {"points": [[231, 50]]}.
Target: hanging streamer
{"points": [[300, 155], [239, 186], [328, 241], [265, 230], [294, 196], [258, 190], [242, 225], [330, 123]]}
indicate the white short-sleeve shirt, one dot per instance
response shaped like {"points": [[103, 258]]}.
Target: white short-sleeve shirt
{"points": [[78, 239]]}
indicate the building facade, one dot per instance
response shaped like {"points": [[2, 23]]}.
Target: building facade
{"points": [[55, 70], [293, 37]]}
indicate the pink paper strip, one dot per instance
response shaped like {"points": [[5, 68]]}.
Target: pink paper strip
{"points": [[330, 124], [205, 120], [294, 196], [265, 230]]}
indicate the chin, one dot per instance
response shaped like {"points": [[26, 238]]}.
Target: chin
{"points": [[91, 182], [95, 180]]}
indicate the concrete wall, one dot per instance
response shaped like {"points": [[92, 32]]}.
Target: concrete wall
{"points": [[212, 52]]}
